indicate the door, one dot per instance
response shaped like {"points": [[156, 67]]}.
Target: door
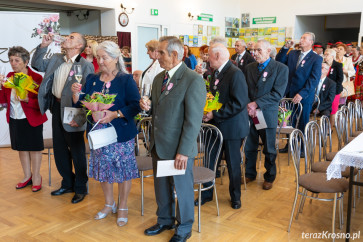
{"points": [[144, 35]]}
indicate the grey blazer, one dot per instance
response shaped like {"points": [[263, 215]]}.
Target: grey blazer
{"points": [[177, 113], [267, 92], [45, 96]]}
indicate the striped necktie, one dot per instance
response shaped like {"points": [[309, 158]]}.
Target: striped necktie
{"points": [[165, 81]]}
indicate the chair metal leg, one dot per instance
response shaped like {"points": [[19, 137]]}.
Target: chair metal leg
{"points": [[342, 208], [293, 207], [340, 212], [354, 191], [358, 181], [49, 169], [87, 175], [142, 192], [244, 176], [215, 193], [288, 154], [199, 204], [301, 204], [334, 211], [278, 159]]}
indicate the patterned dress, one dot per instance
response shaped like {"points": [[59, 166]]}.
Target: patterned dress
{"points": [[114, 163], [358, 83]]}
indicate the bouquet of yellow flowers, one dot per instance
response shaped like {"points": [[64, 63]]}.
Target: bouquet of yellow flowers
{"points": [[22, 84], [212, 102]]}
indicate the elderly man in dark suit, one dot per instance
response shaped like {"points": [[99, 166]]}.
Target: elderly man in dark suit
{"points": [[266, 81], [55, 94], [304, 75], [231, 119], [242, 57], [325, 91], [178, 98]]}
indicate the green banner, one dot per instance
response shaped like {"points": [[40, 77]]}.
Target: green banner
{"points": [[205, 17], [264, 20]]}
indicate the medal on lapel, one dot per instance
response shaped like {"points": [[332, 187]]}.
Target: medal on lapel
{"points": [[170, 86], [241, 62], [264, 76], [331, 71], [215, 84], [302, 63]]}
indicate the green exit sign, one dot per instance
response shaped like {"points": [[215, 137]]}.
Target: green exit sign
{"points": [[154, 12]]}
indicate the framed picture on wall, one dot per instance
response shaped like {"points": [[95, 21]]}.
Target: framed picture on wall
{"points": [[245, 20]]}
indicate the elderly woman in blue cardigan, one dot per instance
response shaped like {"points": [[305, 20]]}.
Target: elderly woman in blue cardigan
{"points": [[114, 163]]}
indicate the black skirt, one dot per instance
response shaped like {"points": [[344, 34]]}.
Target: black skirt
{"points": [[25, 137]]}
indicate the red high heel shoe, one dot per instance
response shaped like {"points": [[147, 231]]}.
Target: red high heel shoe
{"points": [[21, 185], [37, 188]]}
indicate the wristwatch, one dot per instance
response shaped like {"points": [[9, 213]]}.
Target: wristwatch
{"points": [[118, 114]]}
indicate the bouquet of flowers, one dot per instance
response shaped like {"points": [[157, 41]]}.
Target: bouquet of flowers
{"points": [[212, 102], [283, 116], [22, 84], [97, 103], [48, 25]]}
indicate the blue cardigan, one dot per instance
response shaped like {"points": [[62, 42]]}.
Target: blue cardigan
{"points": [[127, 101]]}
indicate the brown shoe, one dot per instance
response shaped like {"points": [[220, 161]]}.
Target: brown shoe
{"points": [[267, 185], [248, 180]]}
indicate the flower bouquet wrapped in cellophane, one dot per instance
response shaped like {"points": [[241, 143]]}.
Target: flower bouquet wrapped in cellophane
{"points": [[283, 116], [22, 84], [212, 102], [97, 103]]}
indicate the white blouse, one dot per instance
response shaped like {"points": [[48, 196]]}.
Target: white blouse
{"points": [[348, 65], [151, 73], [16, 110]]}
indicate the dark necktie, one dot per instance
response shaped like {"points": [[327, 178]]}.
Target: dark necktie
{"points": [[166, 78], [216, 73], [260, 67]]}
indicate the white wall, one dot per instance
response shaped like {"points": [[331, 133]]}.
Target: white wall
{"points": [[91, 26]]}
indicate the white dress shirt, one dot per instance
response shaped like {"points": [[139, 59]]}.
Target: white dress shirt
{"points": [[60, 76]]}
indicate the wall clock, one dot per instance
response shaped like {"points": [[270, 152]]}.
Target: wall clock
{"points": [[123, 19]]}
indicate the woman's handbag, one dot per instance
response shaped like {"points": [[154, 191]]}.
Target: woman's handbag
{"points": [[349, 85], [101, 137]]}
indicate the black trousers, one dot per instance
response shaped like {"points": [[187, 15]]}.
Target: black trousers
{"points": [[268, 137], [232, 152], [69, 146]]}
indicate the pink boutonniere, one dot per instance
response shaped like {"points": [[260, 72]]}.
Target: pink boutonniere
{"points": [[108, 84], [302, 63], [241, 61], [331, 71], [170, 86], [324, 87], [216, 82], [71, 73]]}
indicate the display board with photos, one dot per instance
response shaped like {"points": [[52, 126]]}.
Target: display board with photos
{"points": [[275, 35], [202, 35]]}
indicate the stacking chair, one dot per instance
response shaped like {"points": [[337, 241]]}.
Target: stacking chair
{"points": [[144, 163], [48, 145], [296, 111], [326, 140], [317, 101], [210, 140], [306, 181], [358, 115]]}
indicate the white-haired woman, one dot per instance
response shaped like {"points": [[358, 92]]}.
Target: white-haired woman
{"points": [[116, 162]]}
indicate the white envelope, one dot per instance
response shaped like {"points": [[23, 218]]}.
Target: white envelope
{"points": [[166, 168]]}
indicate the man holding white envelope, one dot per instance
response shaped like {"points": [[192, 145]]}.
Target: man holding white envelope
{"points": [[178, 98], [266, 81]]}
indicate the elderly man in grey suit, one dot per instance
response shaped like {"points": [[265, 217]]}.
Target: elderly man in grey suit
{"points": [[55, 94], [266, 80], [177, 101]]}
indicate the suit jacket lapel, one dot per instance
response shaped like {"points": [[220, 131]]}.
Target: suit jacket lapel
{"points": [[174, 81], [267, 70]]}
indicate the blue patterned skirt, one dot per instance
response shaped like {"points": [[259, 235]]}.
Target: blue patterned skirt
{"points": [[114, 163]]}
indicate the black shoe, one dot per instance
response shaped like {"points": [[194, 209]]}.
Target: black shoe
{"points": [[236, 204], [180, 238], [302, 154], [78, 198], [204, 200], [284, 150], [157, 229], [61, 191]]}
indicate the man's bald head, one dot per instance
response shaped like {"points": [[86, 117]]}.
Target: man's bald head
{"points": [[218, 54]]}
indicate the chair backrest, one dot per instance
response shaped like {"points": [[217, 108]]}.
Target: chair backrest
{"points": [[317, 101], [351, 117], [144, 127], [210, 142], [325, 129], [313, 138], [358, 114], [292, 111], [341, 128], [298, 141]]}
